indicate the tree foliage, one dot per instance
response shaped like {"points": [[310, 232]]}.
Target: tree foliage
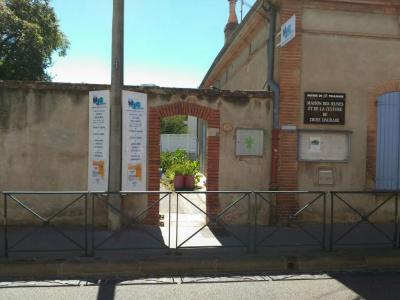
{"points": [[29, 34], [174, 125]]}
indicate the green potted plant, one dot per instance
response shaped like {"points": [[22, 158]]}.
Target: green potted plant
{"points": [[178, 171], [184, 175], [191, 169]]}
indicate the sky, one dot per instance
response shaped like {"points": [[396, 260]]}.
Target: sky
{"points": [[170, 43]]}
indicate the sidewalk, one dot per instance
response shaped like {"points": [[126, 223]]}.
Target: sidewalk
{"points": [[191, 247], [200, 262], [161, 260]]}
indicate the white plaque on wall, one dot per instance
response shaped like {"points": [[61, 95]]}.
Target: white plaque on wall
{"points": [[249, 142], [99, 134], [324, 145], [134, 141]]}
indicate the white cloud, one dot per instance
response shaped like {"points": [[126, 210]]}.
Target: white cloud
{"points": [[78, 71], [161, 77], [97, 71]]}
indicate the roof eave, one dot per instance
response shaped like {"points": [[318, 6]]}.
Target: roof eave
{"points": [[229, 43]]}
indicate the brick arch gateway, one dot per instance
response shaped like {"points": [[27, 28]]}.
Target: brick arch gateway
{"points": [[212, 117]]}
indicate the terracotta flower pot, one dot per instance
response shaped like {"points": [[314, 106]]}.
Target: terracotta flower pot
{"points": [[179, 182], [189, 182]]}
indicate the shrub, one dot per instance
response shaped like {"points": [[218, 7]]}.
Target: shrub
{"points": [[179, 169], [168, 159], [191, 167]]}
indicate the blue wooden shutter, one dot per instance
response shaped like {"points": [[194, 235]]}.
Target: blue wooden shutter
{"points": [[388, 140]]}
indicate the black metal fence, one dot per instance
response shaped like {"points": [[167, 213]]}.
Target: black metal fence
{"points": [[81, 223], [294, 228], [43, 222], [134, 231], [355, 223], [220, 229]]}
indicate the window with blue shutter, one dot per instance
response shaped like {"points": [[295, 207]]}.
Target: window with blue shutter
{"points": [[388, 142]]}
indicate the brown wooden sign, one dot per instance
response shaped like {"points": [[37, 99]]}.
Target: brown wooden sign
{"points": [[324, 108]]}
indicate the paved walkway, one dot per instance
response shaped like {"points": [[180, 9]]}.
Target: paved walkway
{"points": [[382, 285], [39, 242], [141, 247], [190, 207]]}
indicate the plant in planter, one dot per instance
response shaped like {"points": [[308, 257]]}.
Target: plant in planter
{"points": [[178, 174], [191, 169], [184, 175], [179, 170], [172, 163]]}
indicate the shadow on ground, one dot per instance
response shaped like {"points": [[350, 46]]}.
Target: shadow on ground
{"points": [[367, 285]]}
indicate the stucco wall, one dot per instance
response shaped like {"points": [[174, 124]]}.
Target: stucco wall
{"points": [[44, 137], [351, 53], [249, 69], [249, 172], [242, 64]]}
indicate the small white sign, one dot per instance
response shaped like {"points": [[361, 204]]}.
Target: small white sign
{"points": [[249, 142], [288, 31], [315, 144], [134, 141], [99, 133]]}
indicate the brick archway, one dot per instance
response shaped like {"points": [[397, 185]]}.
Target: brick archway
{"points": [[212, 117], [379, 90]]}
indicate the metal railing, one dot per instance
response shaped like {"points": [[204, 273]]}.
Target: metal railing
{"points": [[227, 235], [15, 235], [388, 231], [291, 230], [237, 219], [128, 234]]}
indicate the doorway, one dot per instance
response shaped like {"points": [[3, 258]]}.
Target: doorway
{"points": [[181, 146], [209, 116]]}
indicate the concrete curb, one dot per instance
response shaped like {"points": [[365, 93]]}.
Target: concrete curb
{"points": [[181, 265]]}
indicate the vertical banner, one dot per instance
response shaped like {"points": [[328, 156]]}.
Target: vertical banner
{"points": [[99, 135], [134, 141]]}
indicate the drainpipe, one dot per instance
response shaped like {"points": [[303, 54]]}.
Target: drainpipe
{"points": [[274, 86]]}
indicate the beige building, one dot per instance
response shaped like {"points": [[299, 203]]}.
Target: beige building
{"points": [[332, 85], [335, 110]]}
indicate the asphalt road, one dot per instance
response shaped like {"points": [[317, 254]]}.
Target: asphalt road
{"points": [[371, 285]]}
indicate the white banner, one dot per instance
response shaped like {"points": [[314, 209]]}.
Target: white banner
{"points": [[99, 135], [134, 141]]}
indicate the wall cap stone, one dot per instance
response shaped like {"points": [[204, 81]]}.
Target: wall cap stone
{"points": [[38, 85]]}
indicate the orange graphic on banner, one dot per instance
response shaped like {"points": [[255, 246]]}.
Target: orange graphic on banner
{"points": [[138, 170], [99, 165]]}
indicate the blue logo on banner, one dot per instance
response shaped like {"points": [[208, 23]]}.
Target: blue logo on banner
{"points": [[287, 31], [98, 100], [134, 104]]}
